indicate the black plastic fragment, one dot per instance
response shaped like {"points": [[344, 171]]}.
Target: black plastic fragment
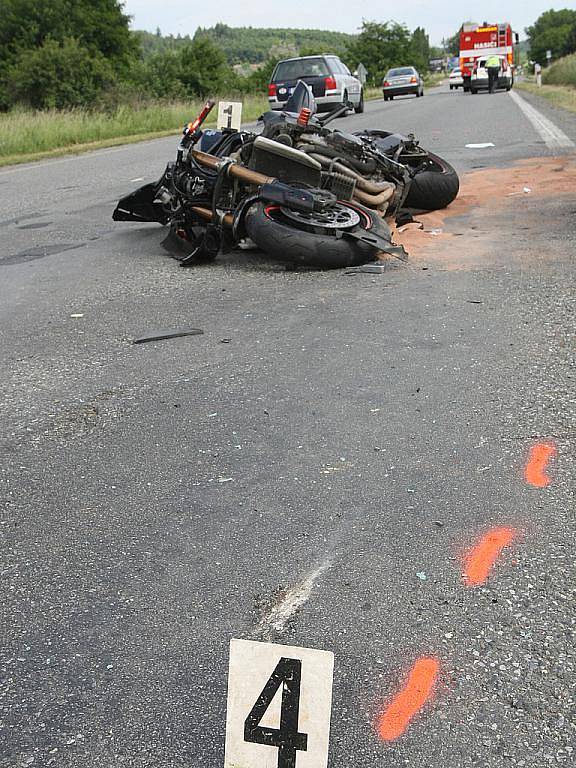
{"points": [[167, 334]]}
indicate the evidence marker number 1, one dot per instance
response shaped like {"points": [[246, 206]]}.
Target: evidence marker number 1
{"points": [[279, 705]]}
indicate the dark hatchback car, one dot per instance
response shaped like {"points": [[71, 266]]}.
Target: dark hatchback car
{"points": [[329, 78], [401, 81]]}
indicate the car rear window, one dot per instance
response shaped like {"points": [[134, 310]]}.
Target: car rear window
{"points": [[292, 70], [400, 71]]}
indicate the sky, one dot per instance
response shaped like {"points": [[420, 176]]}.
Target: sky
{"points": [[440, 18]]}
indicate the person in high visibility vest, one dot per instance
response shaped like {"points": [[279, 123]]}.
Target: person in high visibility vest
{"points": [[493, 68]]}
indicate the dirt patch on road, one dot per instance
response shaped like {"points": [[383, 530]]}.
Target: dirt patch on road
{"points": [[463, 235]]}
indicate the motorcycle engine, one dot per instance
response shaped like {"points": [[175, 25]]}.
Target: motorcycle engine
{"points": [[345, 142], [283, 162]]}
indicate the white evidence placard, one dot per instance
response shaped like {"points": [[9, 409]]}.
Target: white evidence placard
{"points": [[279, 706], [229, 115]]}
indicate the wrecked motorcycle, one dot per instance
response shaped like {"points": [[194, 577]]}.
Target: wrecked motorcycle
{"points": [[303, 194]]}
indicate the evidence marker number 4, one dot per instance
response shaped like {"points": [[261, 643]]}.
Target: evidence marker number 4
{"points": [[279, 704]]}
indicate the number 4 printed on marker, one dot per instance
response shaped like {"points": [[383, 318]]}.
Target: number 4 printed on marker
{"points": [[287, 674], [279, 705]]}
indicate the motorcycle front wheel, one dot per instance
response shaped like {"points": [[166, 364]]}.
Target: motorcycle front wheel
{"points": [[312, 239]]}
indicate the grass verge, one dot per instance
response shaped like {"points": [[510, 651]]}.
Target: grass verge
{"points": [[26, 135], [559, 95]]}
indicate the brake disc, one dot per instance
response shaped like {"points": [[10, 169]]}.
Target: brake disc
{"points": [[337, 218]]}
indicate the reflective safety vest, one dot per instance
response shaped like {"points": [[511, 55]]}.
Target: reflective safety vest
{"points": [[493, 61]]}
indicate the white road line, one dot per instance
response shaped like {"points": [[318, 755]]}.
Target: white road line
{"points": [[550, 133], [294, 599]]}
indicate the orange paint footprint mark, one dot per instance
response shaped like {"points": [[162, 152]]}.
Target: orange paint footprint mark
{"points": [[480, 559], [409, 701], [535, 471]]}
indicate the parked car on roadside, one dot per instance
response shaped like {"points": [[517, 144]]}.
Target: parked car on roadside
{"points": [[400, 81], [330, 80], [456, 80], [479, 76]]}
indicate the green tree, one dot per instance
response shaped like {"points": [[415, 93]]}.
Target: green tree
{"points": [[379, 47], [551, 31], [420, 49], [159, 76], [570, 44], [99, 27], [57, 75], [204, 70]]}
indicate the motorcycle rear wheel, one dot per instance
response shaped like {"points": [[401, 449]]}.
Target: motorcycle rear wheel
{"points": [[310, 240]]}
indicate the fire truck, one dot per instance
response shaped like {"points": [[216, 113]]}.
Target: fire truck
{"points": [[482, 39]]}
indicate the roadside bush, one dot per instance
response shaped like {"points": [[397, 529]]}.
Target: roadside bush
{"points": [[58, 75], [195, 69], [562, 72], [204, 69]]}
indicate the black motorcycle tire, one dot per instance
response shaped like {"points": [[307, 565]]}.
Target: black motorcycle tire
{"points": [[281, 239], [433, 189]]}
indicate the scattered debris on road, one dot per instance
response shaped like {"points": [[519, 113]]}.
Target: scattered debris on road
{"points": [[167, 334], [376, 268]]}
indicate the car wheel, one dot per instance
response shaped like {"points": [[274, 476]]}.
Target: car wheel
{"points": [[360, 108], [451, 87]]}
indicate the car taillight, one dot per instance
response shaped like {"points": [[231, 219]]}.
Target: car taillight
{"points": [[385, 83], [272, 89], [330, 83], [413, 80]]}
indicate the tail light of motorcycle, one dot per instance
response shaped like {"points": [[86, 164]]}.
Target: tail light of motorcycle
{"points": [[330, 83], [272, 90], [304, 117]]}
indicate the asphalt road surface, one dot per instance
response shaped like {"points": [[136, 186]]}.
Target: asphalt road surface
{"points": [[316, 469]]}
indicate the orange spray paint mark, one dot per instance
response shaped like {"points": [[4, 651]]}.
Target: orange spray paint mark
{"points": [[409, 701], [480, 559], [535, 472]]}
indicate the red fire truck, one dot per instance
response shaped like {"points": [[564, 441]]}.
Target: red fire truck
{"points": [[482, 39]]}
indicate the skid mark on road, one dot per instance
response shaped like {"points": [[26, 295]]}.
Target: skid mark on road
{"points": [[292, 600], [480, 560], [409, 701], [535, 471]]}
